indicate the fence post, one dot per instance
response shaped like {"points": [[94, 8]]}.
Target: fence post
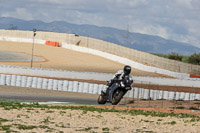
{"points": [[189, 99], [149, 93], [162, 98], [175, 102]]}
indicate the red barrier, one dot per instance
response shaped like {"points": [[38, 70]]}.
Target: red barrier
{"points": [[194, 76], [50, 43]]}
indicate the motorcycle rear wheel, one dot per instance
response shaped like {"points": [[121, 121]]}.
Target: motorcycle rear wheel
{"points": [[101, 100], [117, 96]]}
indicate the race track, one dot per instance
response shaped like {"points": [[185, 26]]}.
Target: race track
{"points": [[40, 95], [65, 59]]}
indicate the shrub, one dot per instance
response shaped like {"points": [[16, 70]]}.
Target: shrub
{"points": [[175, 56], [194, 59]]}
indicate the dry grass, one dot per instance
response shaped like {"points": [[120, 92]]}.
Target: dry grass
{"points": [[15, 117]]}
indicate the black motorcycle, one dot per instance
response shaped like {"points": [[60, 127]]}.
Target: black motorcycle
{"points": [[115, 91]]}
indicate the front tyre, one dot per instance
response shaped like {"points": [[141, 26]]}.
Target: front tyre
{"points": [[117, 96], [101, 100]]}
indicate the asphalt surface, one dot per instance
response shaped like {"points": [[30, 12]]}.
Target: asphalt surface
{"points": [[41, 95], [43, 98], [14, 56]]}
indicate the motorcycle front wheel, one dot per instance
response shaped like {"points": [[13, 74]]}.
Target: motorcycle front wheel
{"points": [[117, 96], [101, 99]]}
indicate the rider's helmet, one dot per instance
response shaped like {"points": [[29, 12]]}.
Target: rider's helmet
{"points": [[127, 69]]}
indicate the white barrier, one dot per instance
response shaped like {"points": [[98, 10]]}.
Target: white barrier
{"points": [[91, 87], [29, 82], [13, 80], [182, 96], [131, 94], [187, 96], [192, 96], [18, 80], [146, 94], [50, 84], [55, 84], [160, 95], [171, 95], [24, 81], [60, 85], [45, 84], [136, 92], [39, 83], [3, 79], [16, 39], [177, 95], [34, 82], [65, 85], [95, 91], [83, 87], [8, 80], [70, 88], [197, 97], [165, 95], [75, 86]]}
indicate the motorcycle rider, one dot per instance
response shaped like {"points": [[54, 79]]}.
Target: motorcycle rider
{"points": [[123, 75]]}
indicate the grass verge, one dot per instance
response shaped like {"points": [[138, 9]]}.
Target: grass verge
{"points": [[8, 105]]}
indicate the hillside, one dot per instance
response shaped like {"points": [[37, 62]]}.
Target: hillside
{"points": [[142, 42]]}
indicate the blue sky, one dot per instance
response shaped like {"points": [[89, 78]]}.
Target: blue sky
{"points": [[171, 19]]}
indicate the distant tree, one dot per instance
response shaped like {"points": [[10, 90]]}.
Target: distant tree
{"points": [[194, 59], [175, 56], [12, 27]]}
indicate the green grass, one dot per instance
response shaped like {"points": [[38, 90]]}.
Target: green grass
{"points": [[3, 120], [172, 123], [25, 127]]}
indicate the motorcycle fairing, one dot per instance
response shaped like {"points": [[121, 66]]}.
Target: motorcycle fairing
{"points": [[112, 89]]}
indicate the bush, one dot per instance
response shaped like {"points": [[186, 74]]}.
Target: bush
{"points": [[175, 56], [194, 59]]}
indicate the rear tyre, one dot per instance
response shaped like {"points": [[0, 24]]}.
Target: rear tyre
{"points": [[101, 99], [117, 96]]}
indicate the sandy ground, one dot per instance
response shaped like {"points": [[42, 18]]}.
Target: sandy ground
{"points": [[67, 120], [60, 58]]}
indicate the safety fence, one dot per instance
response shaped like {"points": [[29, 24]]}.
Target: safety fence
{"points": [[50, 84], [138, 56], [161, 97], [149, 94], [84, 87]]}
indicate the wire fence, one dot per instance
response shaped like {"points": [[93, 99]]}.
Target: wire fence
{"points": [[157, 96]]}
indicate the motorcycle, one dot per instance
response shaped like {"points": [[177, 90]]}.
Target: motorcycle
{"points": [[115, 91]]}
